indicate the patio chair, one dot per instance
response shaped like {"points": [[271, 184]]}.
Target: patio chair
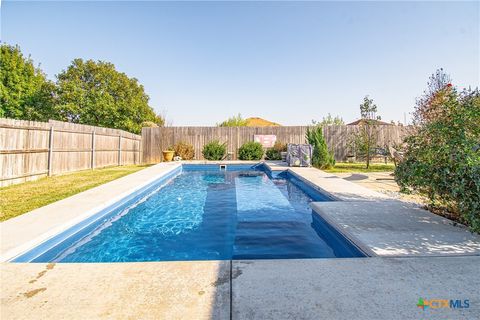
{"points": [[396, 155]]}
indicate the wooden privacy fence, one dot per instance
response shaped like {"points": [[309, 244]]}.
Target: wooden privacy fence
{"points": [[30, 149], [154, 140]]}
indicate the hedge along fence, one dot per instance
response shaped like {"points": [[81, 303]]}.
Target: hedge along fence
{"points": [[30, 149], [154, 140]]}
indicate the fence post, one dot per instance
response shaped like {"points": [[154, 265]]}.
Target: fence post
{"points": [[120, 149], [93, 150], [50, 152], [140, 147]]}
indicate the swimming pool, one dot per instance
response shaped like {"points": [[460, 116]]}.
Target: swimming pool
{"points": [[204, 212]]}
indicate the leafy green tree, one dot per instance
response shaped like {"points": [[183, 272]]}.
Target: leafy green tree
{"points": [[368, 110], [329, 120], [95, 93], [25, 92], [322, 158], [235, 121], [442, 158]]}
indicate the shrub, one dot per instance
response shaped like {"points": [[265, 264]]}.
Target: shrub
{"points": [[280, 146], [274, 153], [442, 157], [250, 151], [321, 157], [214, 150], [184, 150]]}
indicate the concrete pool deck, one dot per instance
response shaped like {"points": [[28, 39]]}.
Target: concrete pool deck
{"points": [[395, 228], [163, 290], [358, 288]]}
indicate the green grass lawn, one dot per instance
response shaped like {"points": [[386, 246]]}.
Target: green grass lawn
{"points": [[360, 167], [20, 198]]}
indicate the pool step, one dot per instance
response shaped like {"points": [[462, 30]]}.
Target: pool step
{"points": [[266, 214], [270, 240], [270, 228]]}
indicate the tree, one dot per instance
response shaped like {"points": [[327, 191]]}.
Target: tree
{"points": [[95, 93], [235, 121], [368, 110], [366, 139], [442, 158], [430, 103], [25, 92], [322, 158], [329, 120]]}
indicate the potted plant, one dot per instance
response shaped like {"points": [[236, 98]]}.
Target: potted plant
{"points": [[168, 154], [281, 148]]}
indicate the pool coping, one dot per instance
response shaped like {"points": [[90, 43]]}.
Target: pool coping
{"points": [[355, 241]]}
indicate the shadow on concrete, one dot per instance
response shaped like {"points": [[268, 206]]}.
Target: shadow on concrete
{"points": [[395, 228], [356, 177]]}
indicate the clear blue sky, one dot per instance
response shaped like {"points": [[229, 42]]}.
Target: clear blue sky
{"points": [[288, 62]]}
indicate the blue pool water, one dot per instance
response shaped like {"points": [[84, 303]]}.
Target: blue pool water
{"points": [[204, 213]]}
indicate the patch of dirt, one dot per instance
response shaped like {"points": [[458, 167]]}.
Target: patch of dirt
{"points": [[33, 292], [444, 212], [49, 266]]}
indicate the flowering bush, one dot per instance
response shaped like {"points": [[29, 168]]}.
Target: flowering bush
{"points": [[442, 158]]}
